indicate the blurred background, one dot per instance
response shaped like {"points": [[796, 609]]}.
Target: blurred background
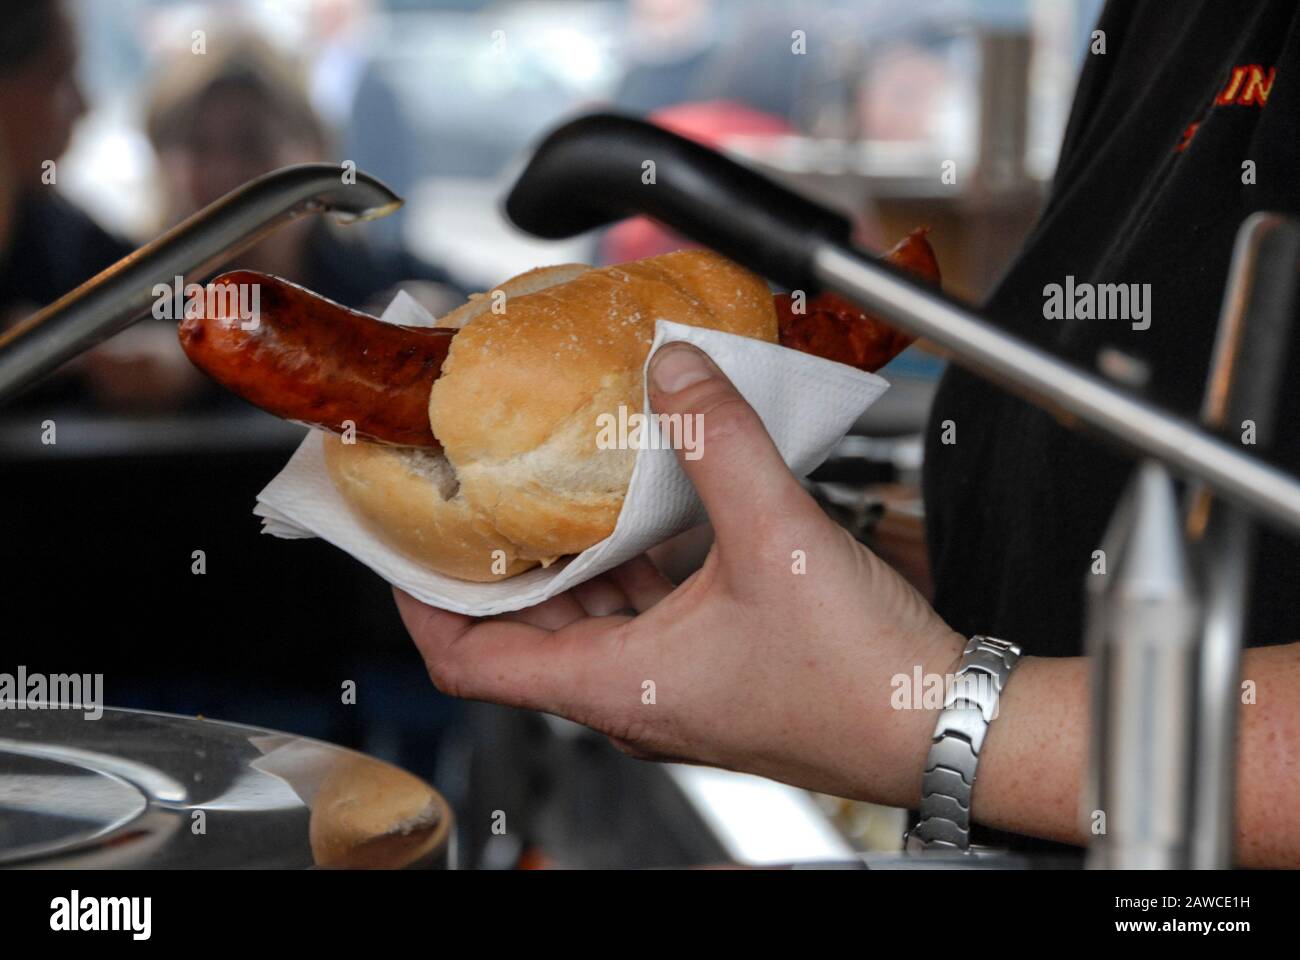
{"points": [[120, 117]]}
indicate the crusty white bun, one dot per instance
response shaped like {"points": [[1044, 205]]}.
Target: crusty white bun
{"points": [[520, 479], [367, 814]]}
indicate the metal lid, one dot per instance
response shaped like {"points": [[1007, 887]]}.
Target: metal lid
{"points": [[131, 789]]}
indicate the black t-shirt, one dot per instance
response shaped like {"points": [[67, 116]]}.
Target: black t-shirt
{"points": [[1149, 189], [54, 248]]}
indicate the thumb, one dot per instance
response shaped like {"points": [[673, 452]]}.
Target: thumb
{"points": [[733, 463]]}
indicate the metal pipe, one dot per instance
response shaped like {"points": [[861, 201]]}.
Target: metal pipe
{"points": [[1255, 324], [1058, 385], [1226, 555], [123, 294]]}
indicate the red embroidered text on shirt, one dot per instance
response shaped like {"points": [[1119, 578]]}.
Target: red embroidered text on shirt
{"points": [[1248, 86]]}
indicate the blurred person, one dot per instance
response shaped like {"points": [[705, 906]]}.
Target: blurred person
{"points": [[669, 46], [109, 520], [756, 65], [221, 120], [905, 91], [352, 96], [49, 246]]}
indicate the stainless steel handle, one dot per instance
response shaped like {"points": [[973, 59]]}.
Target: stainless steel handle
{"points": [[123, 294], [1058, 385], [1255, 325]]}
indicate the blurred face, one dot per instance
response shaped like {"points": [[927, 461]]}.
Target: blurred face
{"points": [[40, 104], [232, 141]]}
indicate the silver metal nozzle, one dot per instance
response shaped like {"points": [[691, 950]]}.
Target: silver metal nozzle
{"points": [[123, 294]]}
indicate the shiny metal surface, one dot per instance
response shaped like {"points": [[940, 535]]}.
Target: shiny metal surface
{"points": [[969, 706], [1062, 387], [133, 789], [1226, 553], [123, 294], [1245, 377], [1142, 638]]}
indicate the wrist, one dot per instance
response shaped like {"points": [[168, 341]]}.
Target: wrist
{"points": [[1042, 726], [916, 698]]}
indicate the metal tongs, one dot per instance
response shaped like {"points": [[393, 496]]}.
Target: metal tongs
{"points": [[123, 294], [1167, 663]]}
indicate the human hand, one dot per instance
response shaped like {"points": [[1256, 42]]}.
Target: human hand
{"points": [[775, 658]]}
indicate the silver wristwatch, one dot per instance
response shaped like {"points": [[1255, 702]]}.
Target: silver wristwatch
{"points": [[969, 706]]}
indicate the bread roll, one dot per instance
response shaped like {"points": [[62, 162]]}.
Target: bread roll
{"points": [[520, 479], [366, 814]]}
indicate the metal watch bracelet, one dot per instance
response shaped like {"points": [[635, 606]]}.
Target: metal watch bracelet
{"points": [[969, 706]]}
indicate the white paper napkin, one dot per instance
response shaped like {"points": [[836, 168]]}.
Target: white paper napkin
{"points": [[806, 403]]}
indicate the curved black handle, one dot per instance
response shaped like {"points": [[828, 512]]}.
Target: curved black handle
{"points": [[592, 171]]}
